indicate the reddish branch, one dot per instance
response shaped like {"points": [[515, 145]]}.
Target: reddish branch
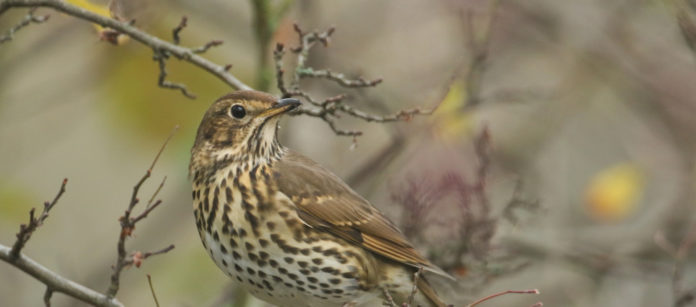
{"points": [[532, 291]]}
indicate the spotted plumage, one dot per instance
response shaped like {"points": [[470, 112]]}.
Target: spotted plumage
{"points": [[291, 232]]}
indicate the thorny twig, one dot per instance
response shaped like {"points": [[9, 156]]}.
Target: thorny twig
{"points": [[26, 230], [28, 19], [128, 226], [331, 108]]}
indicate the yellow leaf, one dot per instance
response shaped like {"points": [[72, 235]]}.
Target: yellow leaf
{"points": [[612, 194], [450, 122], [105, 34]]}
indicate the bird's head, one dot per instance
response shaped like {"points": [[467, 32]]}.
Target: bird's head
{"points": [[240, 127]]}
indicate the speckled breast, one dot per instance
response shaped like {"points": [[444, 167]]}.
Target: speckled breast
{"points": [[253, 233]]}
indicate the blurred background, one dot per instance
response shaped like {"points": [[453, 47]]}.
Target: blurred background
{"points": [[561, 156]]}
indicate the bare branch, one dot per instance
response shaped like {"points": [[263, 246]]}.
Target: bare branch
{"points": [[147, 211], [177, 30], [337, 77], [403, 115], [532, 291], [28, 19], [278, 54], [128, 226], [159, 188], [26, 230], [181, 53], [208, 45], [56, 282], [47, 297], [161, 57], [331, 108], [482, 147], [138, 257], [152, 289]]}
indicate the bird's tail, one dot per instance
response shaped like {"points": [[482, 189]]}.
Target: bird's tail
{"points": [[425, 288]]}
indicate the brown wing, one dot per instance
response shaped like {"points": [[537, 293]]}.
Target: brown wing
{"points": [[324, 201]]}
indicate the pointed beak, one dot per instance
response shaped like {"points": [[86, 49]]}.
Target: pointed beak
{"points": [[280, 107]]}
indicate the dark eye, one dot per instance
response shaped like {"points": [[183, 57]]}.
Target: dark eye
{"points": [[237, 111]]}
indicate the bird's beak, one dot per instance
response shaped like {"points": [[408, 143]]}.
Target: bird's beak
{"points": [[280, 107]]}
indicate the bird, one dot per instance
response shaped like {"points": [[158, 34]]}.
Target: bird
{"points": [[288, 230]]}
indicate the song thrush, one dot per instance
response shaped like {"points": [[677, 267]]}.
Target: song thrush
{"points": [[290, 231]]}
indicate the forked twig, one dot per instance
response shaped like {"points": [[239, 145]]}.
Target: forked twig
{"points": [[328, 109], [26, 230], [128, 226]]}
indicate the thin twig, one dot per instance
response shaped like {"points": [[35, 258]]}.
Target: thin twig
{"points": [[337, 77], [532, 291], [328, 109], [28, 19], [47, 296], [181, 53], [482, 147], [56, 282], [128, 225], [147, 211], [161, 57], [278, 54], [152, 289], [138, 257], [389, 300], [175, 33], [208, 45], [159, 188], [26, 230], [414, 290]]}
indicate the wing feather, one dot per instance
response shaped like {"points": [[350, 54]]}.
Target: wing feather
{"points": [[324, 201]]}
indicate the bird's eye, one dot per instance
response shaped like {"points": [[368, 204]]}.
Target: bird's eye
{"points": [[237, 111]]}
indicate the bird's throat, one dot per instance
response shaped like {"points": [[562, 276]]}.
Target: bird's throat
{"points": [[261, 147]]}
